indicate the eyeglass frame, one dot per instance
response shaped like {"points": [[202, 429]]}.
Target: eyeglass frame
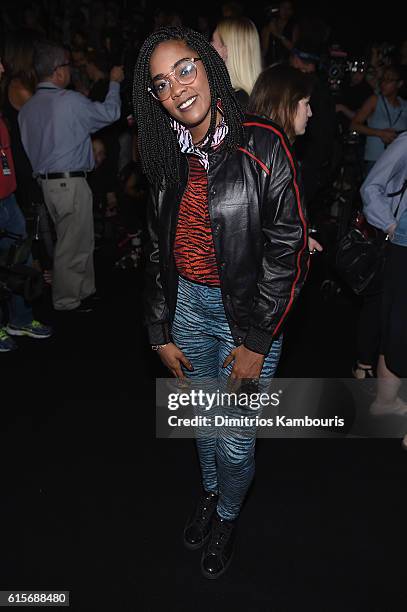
{"points": [[172, 73]]}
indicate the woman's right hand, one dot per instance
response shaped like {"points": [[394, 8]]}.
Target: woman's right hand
{"points": [[387, 136], [172, 357]]}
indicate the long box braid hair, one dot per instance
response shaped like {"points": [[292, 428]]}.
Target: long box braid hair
{"points": [[157, 141]]}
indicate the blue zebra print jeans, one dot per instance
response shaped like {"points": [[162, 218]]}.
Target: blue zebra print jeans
{"points": [[200, 329]]}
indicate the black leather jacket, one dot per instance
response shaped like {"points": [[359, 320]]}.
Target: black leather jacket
{"points": [[260, 237]]}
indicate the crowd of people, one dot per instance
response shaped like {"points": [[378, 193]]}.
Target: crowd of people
{"points": [[111, 107]]}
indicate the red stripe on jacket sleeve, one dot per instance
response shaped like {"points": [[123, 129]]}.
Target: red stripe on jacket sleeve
{"points": [[300, 211]]}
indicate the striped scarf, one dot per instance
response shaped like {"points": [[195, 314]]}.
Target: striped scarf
{"points": [[187, 146]]}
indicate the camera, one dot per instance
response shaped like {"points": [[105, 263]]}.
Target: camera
{"points": [[337, 68], [15, 276]]}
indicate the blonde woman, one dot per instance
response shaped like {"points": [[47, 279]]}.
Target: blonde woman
{"points": [[237, 42]]}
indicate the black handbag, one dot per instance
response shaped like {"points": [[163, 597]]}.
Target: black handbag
{"points": [[360, 258], [361, 254]]}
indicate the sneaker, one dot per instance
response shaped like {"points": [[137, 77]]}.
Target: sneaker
{"points": [[6, 343], [35, 329]]}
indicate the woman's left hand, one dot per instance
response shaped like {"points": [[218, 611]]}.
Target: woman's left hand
{"points": [[247, 364]]}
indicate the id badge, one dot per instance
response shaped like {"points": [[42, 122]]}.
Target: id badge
{"points": [[4, 163]]}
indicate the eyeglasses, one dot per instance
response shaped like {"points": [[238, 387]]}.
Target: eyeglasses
{"points": [[184, 72], [389, 80]]}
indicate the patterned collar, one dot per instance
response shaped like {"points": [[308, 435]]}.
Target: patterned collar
{"points": [[187, 146]]}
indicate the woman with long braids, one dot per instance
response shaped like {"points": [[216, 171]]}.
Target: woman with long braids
{"points": [[227, 255]]}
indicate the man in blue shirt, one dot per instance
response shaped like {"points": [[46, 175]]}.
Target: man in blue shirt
{"points": [[55, 125]]}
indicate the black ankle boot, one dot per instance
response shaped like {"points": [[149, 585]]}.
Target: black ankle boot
{"points": [[198, 527], [217, 556]]}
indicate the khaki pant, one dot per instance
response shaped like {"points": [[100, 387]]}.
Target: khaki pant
{"points": [[69, 202]]}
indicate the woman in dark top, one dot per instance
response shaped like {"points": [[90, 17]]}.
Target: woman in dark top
{"points": [[280, 34]]}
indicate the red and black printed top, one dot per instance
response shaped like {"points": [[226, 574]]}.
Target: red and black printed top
{"points": [[194, 250]]}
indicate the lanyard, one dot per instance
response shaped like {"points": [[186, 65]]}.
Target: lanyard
{"points": [[391, 123], [5, 167]]}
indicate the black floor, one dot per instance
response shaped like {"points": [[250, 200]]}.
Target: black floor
{"points": [[93, 503]]}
